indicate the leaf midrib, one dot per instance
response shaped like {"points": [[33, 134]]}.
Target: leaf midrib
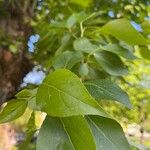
{"points": [[102, 133], [67, 133], [109, 93], [60, 90]]}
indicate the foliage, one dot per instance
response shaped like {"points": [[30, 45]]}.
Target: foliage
{"points": [[85, 53]]}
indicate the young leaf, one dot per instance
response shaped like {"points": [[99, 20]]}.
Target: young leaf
{"points": [[13, 110], [84, 45], [111, 63], [108, 134], [69, 133], [105, 89], [84, 69], [116, 49], [62, 94], [123, 30]]}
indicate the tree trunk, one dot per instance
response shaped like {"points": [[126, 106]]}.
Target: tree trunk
{"points": [[14, 28]]}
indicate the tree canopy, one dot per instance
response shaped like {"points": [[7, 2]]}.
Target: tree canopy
{"points": [[92, 54]]}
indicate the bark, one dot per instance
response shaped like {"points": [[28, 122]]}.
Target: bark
{"points": [[15, 26]]}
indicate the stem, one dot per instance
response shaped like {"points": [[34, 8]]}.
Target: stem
{"points": [[82, 29]]}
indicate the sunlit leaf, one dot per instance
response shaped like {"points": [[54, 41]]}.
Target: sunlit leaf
{"points": [[123, 30], [62, 94], [146, 26], [84, 3], [145, 52], [13, 110]]}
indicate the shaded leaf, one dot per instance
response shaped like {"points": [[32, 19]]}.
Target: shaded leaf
{"points": [[31, 128], [76, 18], [108, 134], [67, 60], [65, 40], [59, 24], [116, 49], [84, 45], [65, 134], [111, 63], [105, 89]]}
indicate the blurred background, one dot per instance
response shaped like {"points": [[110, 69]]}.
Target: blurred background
{"points": [[24, 55]]}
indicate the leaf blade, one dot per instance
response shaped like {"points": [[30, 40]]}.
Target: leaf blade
{"points": [[84, 45], [117, 49], [62, 94], [111, 63], [13, 110], [65, 133], [122, 30], [31, 128], [108, 134], [105, 89]]}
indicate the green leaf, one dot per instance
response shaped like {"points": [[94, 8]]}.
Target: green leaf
{"points": [[85, 3], [65, 40], [111, 63], [117, 49], [13, 110], [84, 45], [57, 24], [123, 30], [62, 94], [25, 94], [67, 60], [137, 146], [69, 133], [144, 52], [31, 128], [146, 26], [108, 134], [105, 89], [28, 95], [76, 18], [84, 69]]}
